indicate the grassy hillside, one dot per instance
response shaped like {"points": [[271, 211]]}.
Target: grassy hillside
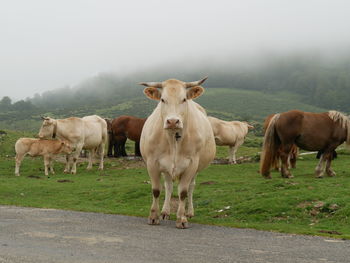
{"points": [[224, 103], [250, 105]]}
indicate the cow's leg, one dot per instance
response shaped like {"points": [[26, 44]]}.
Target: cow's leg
{"points": [[319, 167], [190, 210], [51, 166], [91, 156], [329, 170], [123, 151], [75, 157], [137, 149], [232, 158], [68, 162], [183, 188], [293, 157], [154, 175], [19, 158], [46, 164], [168, 183], [110, 146], [284, 154], [116, 149], [101, 152]]}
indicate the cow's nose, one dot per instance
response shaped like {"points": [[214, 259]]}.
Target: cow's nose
{"points": [[172, 123]]}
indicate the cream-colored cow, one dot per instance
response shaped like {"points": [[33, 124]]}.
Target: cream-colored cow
{"points": [[176, 141], [36, 147], [230, 133], [89, 133]]}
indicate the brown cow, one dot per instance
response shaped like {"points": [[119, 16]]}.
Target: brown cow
{"points": [[37, 147], [123, 128]]}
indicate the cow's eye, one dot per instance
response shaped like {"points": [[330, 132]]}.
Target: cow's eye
{"points": [[184, 100], [162, 100]]}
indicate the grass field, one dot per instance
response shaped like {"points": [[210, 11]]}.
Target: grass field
{"points": [[227, 195]]}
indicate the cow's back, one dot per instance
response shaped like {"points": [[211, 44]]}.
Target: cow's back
{"points": [[37, 147], [95, 131], [224, 132], [23, 145], [71, 129]]}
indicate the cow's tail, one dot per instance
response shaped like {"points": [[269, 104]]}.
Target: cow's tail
{"points": [[270, 148]]}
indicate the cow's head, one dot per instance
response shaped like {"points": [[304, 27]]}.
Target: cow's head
{"points": [[109, 125], [66, 147], [173, 96], [47, 128]]}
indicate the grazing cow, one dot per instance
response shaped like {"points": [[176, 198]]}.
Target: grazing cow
{"points": [[89, 133], [230, 133], [176, 141], [36, 147], [123, 128]]}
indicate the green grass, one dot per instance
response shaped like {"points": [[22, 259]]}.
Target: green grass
{"points": [[302, 205]]}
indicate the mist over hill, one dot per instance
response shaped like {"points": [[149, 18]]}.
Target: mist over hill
{"points": [[242, 88]]}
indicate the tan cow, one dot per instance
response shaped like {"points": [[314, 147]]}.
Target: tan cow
{"points": [[36, 147], [89, 133], [176, 141], [230, 133]]}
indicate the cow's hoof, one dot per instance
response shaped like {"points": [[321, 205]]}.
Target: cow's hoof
{"points": [[153, 221], [165, 215], [319, 175], [267, 176], [17, 174], [331, 173], [182, 223], [190, 215], [66, 172]]}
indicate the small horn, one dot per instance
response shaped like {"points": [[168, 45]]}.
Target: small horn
{"points": [[158, 85], [195, 83]]}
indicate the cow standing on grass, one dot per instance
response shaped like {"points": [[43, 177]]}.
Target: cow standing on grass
{"points": [[230, 133], [176, 141], [89, 133], [36, 147]]}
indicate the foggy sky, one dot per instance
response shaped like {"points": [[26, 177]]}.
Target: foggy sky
{"points": [[46, 44]]}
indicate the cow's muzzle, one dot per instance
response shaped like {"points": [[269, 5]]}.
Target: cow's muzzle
{"points": [[173, 124]]}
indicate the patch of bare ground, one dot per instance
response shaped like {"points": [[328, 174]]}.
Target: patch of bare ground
{"points": [[242, 159]]}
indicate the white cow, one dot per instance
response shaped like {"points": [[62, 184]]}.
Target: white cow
{"points": [[230, 133], [176, 141], [36, 147], [89, 133]]}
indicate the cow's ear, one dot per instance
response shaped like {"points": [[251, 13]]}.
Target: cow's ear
{"points": [[152, 93], [194, 92]]}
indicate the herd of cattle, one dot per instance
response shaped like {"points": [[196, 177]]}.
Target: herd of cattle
{"points": [[177, 141]]}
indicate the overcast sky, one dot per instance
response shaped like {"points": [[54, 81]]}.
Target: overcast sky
{"points": [[46, 44]]}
